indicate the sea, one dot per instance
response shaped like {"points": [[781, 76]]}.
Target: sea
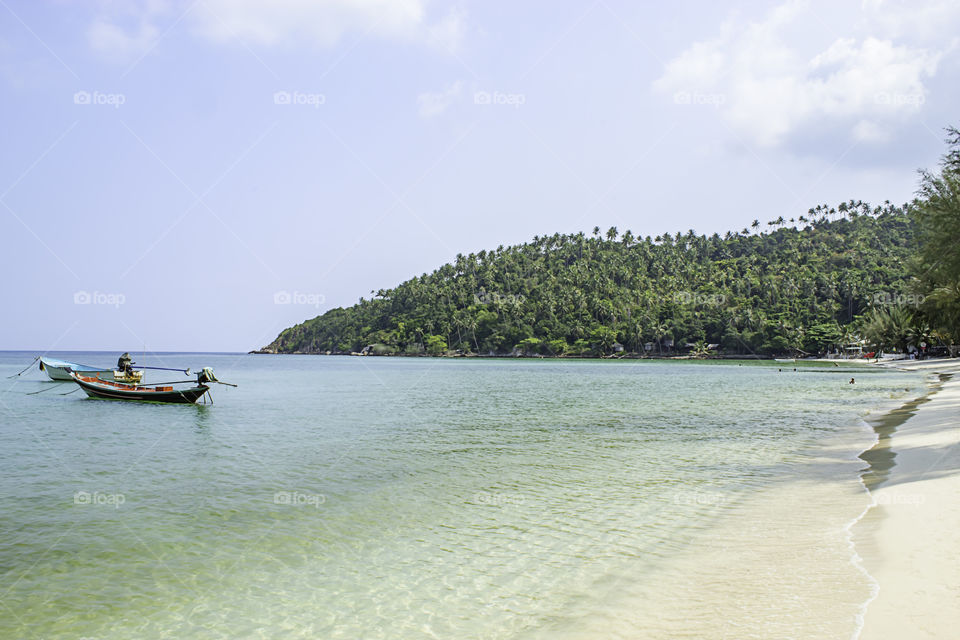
{"points": [[425, 498]]}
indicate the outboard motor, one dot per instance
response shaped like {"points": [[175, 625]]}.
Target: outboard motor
{"points": [[125, 363], [206, 376]]}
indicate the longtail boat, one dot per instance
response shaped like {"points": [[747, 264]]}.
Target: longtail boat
{"points": [[165, 392], [60, 369]]}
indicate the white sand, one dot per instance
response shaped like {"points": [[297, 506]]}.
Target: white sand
{"points": [[910, 541]]}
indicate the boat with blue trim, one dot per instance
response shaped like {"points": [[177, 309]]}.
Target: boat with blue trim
{"points": [[60, 370]]}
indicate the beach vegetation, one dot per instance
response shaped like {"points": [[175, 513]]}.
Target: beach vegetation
{"points": [[833, 278], [791, 288], [937, 266]]}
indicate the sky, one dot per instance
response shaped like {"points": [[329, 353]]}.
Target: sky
{"points": [[197, 175]]}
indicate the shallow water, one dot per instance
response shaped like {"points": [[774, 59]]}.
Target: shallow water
{"points": [[436, 498]]}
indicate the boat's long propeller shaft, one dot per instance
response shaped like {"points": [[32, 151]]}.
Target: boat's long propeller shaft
{"points": [[184, 371]]}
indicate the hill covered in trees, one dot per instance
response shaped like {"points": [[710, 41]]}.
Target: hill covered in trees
{"points": [[886, 277], [803, 284]]}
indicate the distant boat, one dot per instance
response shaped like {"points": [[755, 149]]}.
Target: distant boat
{"points": [[60, 370], [785, 360]]}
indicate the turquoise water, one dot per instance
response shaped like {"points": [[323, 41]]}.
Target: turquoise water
{"points": [[433, 498]]}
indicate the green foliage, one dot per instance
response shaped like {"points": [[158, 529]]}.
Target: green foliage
{"points": [[602, 339], [581, 347], [700, 350], [529, 346], [380, 349], [888, 328], [938, 225], [436, 345], [823, 336], [793, 288], [557, 347]]}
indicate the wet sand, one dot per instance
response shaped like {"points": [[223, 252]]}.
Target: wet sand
{"points": [[910, 538]]}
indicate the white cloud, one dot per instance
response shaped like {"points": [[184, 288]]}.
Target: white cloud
{"points": [[125, 30], [324, 22], [448, 32], [868, 131], [773, 86], [320, 23], [923, 19], [434, 103], [114, 40]]}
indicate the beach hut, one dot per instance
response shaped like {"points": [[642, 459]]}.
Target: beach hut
{"points": [[853, 350]]}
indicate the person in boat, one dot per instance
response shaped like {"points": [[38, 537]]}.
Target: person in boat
{"points": [[125, 363]]}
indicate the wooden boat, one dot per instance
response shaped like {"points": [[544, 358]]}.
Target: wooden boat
{"points": [[158, 392], [60, 370], [99, 388]]}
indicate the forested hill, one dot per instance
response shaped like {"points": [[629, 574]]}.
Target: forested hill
{"points": [[795, 285]]}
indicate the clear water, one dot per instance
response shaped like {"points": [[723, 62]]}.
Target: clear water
{"points": [[342, 497]]}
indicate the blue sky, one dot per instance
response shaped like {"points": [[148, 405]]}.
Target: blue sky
{"points": [[180, 175]]}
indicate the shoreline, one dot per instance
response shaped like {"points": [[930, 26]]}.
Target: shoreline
{"points": [[906, 541], [542, 356]]}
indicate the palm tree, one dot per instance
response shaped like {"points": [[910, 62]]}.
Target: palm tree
{"points": [[659, 330], [889, 327], [919, 331], [700, 350], [638, 336]]}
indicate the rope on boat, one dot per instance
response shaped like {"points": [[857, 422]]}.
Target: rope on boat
{"points": [[69, 392], [22, 393], [24, 371], [57, 386]]}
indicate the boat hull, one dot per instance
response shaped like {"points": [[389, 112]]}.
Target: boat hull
{"points": [[96, 388], [60, 370]]}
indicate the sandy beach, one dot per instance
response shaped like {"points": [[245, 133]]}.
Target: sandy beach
{"points": [[909, 539]]}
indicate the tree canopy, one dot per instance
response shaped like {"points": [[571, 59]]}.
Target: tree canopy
{"points": [[937, 267], [802, 284]]}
